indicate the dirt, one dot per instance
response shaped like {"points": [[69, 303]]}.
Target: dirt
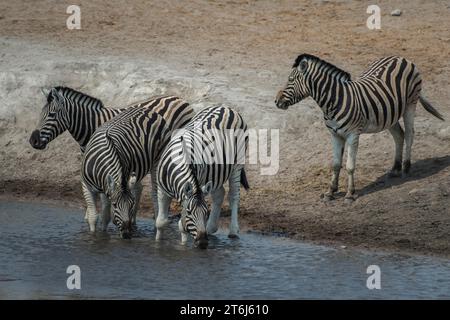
{"points": [[239, 53]]}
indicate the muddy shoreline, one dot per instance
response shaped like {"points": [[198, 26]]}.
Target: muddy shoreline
{"points": [[239, 53]]}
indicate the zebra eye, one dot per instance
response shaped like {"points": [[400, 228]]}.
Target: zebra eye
{"points": [[52, 114]]}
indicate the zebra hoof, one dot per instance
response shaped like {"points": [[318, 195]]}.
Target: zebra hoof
{"points": [[349, 200], [394, 174], [327, 197], [405, 174], [233, 236], [406, 167]]}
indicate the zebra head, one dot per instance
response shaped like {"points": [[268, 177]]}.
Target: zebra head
{"points": [[296, 88], [122, 204], [53, 120], [195, 213]]}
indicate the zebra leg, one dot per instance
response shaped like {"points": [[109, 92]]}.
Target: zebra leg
{"points": [[217, 199], [83, 187], [234, 198], [163, 212], [154, 193], [91, 211], [399, 138], [352, 145], [137, 191], [184, 234], [408, 119], [106, 211], [338, 150]]}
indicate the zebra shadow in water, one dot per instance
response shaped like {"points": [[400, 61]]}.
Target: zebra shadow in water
{"points": [[420, 169]]}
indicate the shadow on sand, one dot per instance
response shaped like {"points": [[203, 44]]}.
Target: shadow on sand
{"points": [[419, 170]]}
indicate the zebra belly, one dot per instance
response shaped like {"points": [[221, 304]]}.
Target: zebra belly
{"points": [[335, 127], [374, 126], [217, 174]]}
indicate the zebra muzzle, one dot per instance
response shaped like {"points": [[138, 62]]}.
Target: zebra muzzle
{"points": [[125, 232], [36, 141], [125, 235], [281, 104], [201, 241]]}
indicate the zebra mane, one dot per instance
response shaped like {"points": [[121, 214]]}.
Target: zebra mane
{"points": [[74, 94], [197, 188], [120, 153], [343, 73]]}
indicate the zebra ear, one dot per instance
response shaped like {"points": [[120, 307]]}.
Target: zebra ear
{"points": [[45, 92], [54, 92], [188, 190], [111, 183], [302, 66], [132, 181], [56, 95], [206, 189]]}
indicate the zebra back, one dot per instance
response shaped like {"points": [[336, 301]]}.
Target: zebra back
{"points": [[372, 103], [185, 157], [175, 111], [135, 139], [138, 138], [83, 114]]}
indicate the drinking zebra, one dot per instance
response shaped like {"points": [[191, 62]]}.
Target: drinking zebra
{"points": [[198, 160], [81, 114], [388, 90], [119, 154]]}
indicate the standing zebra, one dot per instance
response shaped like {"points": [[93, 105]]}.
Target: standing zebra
{"points": [[80, 114], [388, 90], [119, 154], [189, 169], [71, 110]]}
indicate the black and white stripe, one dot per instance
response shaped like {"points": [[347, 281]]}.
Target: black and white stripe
{"points": [[188, 171], [387, 91], [81, 114], [71, 110], [124, 150]]}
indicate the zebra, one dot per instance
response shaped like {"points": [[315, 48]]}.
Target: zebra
{"points": [[81, 114], [189, 180], [119, 154], [387, 91], [71, 110]]}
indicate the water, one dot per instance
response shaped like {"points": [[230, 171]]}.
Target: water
{"points": [[38, 243]]}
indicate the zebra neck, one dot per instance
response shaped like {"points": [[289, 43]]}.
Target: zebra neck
{"points": [[189, 177], [328, 95], [113, 166], [84, 120], [81, 122]]}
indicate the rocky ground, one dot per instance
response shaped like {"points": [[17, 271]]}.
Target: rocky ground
{"points": [[238, 53]]}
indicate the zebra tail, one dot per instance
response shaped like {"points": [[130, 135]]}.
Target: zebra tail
{"points": [[427, 105], [244, 180]]}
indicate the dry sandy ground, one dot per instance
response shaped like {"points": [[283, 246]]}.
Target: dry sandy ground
{"points": [[238, 53]]}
